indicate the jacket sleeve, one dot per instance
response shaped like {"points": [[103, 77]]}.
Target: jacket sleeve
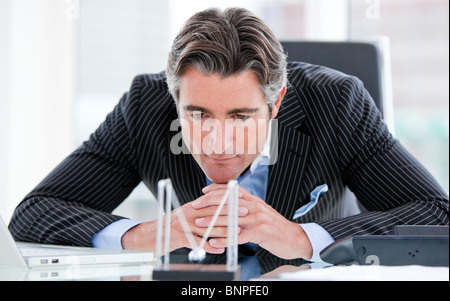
{"points": [[76, 199], [387, 180]]}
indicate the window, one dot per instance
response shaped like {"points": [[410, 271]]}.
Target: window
{"points": [[418, 31]]}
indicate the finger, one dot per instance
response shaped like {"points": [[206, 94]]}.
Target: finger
{"points": [[244, 236], [214, 186], [222, 187], [180, 239], [222, 242], [222, 220], [208, 248], [215, 232], [213, 198], [211, 211], [212, 250], [218, 243]]}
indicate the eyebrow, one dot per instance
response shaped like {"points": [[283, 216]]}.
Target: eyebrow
{"points": [[233, 111]]}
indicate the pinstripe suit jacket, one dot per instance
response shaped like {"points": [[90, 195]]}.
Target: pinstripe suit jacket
{"points": [[329, 132]]}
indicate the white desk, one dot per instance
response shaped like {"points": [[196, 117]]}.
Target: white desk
{"points": [[111, 272], [143, 272], [361, 273]]}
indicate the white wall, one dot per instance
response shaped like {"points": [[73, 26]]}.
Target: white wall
{"points": [[326, 20], [38, 81], [65, 64], [4, 104]]}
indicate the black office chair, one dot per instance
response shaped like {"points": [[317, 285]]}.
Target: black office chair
{"points": [[361, 59]]}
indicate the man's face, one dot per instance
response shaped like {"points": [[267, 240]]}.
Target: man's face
{"points": [[224, 121]]}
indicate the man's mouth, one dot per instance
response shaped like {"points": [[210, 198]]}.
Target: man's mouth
{"points": [[221, 159]]}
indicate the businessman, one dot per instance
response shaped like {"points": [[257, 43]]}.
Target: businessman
{"points": [[303, 141]]}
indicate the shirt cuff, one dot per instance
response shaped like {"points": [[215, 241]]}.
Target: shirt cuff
{"points": [[110, 237], [319, 238]]}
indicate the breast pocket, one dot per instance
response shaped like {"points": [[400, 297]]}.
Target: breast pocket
{"points": [[314, 199]]}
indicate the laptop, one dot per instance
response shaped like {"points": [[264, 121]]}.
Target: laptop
{"points": [[31, 255]]}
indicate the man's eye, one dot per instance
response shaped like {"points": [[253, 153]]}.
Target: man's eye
{"points": [[241, 117], [197, 115]]}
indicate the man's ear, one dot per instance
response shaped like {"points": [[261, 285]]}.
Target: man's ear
{"points": [[277, 104]]}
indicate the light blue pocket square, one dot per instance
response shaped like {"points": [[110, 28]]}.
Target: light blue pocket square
{"points": [[314, 199]]}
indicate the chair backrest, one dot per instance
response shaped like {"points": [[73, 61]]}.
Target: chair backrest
{"points": [[359, 59]]}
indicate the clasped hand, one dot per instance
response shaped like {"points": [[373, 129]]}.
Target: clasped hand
{"points": [[258, 223]]}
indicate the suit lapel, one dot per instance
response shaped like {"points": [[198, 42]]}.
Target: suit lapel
{"points": [[286, 175], [293, 147]]}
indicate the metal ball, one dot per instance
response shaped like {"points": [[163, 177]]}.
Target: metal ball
{"points": [[197, 255]]}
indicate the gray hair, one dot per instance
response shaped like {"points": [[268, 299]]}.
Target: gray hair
{"points": [[226, 43]]}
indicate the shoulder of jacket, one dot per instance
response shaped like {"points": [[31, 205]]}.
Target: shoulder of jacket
{"points": [[301, 74], [149, 93], [150, 80]]}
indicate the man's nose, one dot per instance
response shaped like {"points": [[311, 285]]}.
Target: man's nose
{"points": [[221, 140]]}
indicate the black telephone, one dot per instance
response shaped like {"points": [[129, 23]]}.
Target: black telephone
{"points": [[406, 245]]}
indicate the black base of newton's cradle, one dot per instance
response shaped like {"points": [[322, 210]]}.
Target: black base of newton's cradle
{"points": [[196, 272]]}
